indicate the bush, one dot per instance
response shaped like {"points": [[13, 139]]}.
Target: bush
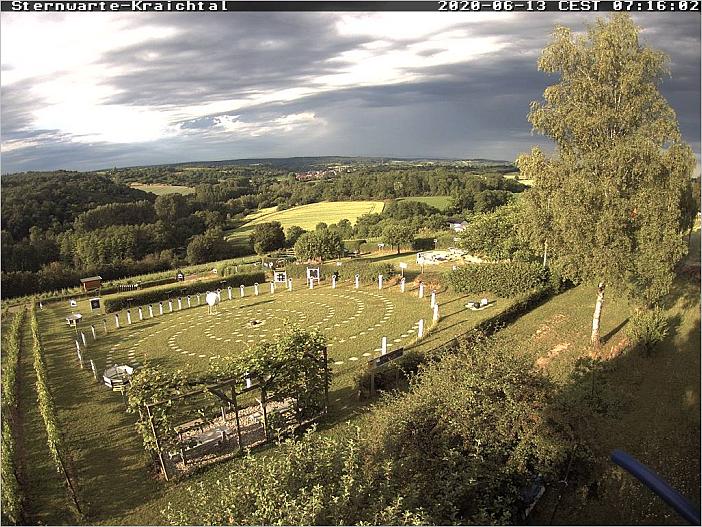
{"points": [[158, 294], [368, 273], [502, 279], [647, 328]]}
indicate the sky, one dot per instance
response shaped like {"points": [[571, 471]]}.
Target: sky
{"points": [[84, 91]]}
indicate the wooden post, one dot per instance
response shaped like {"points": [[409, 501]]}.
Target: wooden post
{"points": [[372, 382], [326, 381], [158, 446], [265, 415], [236, 413]]}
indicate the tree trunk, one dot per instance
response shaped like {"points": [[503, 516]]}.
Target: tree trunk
{"points": [[398, 249], [545, 249], [595, 337]]}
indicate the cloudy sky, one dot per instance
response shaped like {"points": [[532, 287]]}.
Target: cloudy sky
{"points": [[95, 90]]}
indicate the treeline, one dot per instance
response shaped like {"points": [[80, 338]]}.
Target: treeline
{"points": [[60, 226]]}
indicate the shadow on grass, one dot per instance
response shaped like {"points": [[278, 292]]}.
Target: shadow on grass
{"points": [[608, 336]]}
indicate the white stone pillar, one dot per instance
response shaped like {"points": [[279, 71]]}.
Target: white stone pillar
{"points": [[383, 345], [117, 320], [290, 286], [356, 284], [333, 281], [160, 308], [435, 318], [170, 306], [420, 329], [256, 289], [187, 299], [311, 280], [272, 287], [129, 317], [380, 281], [180, 304], [402, 285], [229, 292], [151, 311], [433, 298], [421, 290], [92, 366], [82, 336], [141, 314], [241, 291], [92, 328]]}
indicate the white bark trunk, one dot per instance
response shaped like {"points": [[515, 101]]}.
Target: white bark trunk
{"points": [[595, 337], [545, 249]]}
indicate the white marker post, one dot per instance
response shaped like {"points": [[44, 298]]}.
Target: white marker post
{"points": [[92, 366], [256, 289], [402, 285], [129, 317], [92, 328], [420, 329], [198, 299], [104, 325], [151, 311], [333, 281], [187, 299], [160, 308], [383, 345], [170, 306], [80, 359], [380, 281], [433, 298], [356, 285], [141, 314], [180, 304], [311, 283], [289, 284], [272, 287], [421, 290], [229, 292], [117, 320], [241, 291], [435, 318], [82, 336]]}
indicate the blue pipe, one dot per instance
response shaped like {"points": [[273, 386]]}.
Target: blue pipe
{"points": [[654, 482]]}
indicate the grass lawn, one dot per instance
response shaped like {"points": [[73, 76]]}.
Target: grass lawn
{"points": [[308, 216], [440, 202], [159, 190], [112, 467], [654, 401]]}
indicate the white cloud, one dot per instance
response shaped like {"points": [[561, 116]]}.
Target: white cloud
{"points": [[286, 123]]}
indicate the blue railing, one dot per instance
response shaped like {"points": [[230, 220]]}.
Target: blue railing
{"points": [[654, 482]]}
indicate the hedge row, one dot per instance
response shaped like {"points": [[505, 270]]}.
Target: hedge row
{"points": [[367, 273], [47, 409], [161, 293], [11, 490], [502, 279]]}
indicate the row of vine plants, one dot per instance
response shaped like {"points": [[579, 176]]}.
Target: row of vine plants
{"points": [[47, 409], [11, 490]]}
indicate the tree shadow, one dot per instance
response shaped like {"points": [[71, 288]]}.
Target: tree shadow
{"points": [[605, 339]]}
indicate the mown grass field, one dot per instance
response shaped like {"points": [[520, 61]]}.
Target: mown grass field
{"points": [[307, 216], [114, 479], [159, 190], [440, 202]]}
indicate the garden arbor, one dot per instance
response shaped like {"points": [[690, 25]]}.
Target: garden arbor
{"points": [[241, 402]]}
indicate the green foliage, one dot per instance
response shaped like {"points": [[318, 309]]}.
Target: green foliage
{"points": [[292, 368], [647, 327], [11, 490], [319, 245], [609, 203], [473, 430], [116, 214], [267, 237], [179, 289], [396, 234], [502, 279], [292, 234], [494, 235]]}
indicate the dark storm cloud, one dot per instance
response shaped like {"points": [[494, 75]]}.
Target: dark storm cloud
{"points": [[476, 108]]}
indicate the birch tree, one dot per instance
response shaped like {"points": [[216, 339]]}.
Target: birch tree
{"points": [[608, 204]]}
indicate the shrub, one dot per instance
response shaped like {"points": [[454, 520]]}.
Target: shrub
{"points": [[158, 294], [502, 279], [647, 328]]}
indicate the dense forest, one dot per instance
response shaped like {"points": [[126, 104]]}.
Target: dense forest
{"points": [[58, 226]]}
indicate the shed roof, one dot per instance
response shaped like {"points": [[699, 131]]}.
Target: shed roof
{"points": [[90, 279]]}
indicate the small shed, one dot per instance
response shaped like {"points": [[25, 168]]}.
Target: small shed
{"points": [[92, 283]]}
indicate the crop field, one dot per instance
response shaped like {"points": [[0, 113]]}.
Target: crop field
{"points": [[159, 190], [308, 216], [440, 202]]}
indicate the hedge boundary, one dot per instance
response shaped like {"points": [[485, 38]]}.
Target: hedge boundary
{"points": [[502, 279], [12, 495], [160, 293]]}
